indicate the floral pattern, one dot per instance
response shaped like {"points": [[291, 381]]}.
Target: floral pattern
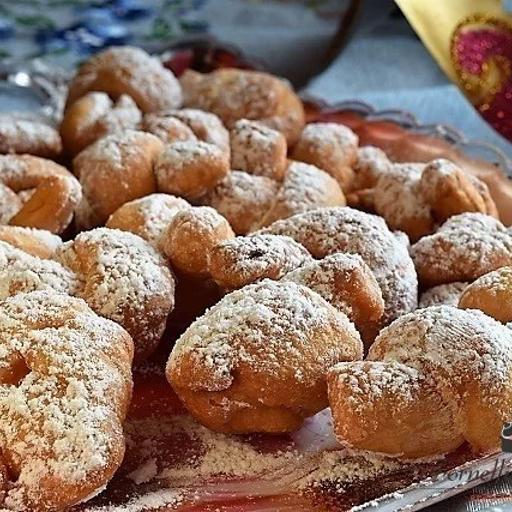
{"points": [[69, 30]]}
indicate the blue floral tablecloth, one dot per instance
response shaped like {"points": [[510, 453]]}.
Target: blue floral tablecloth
{"points": [[288, 35]]}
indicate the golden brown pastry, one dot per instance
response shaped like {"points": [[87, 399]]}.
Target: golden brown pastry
{"points": [[243, 199], [492, 294], [258, 149], [10, 204], [131, 71], [304, 188], [56, 192], [167, 127], [331, 147], [69, 373], [204, 125], [464, 248], [36, 242], [190, 236], [398, 199], [21, 272], [257, 361], [28, 136], [234, 94], [246, 259], [95, 115], [125, 280], [148, 216], [332, 230], [450, 191], [114, 170], [433, 379], [346, 282], [190, 168], [442, 295]]}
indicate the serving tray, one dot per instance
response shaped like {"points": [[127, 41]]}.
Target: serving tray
{"points": [[172, 463]]}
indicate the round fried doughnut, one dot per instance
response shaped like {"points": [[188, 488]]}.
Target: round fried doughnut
{"points": [[243, 199], [464, 248], [397, 198], [28, 136], [442, 295], [65, 387], [10, 204], [36, 242], [247, 259], [167, 128], [492, 294], [114, 170], [131, 71], [56, 194], [331, 230], [346, 282], [21, 272], [204, 125], [125, 280], [95, 115], [190, 168], [450, 191], [258, 149], [148, 216], [257, 360], [331, 147], [234, 94], [433, 379], [304, 188], [191, 235]]}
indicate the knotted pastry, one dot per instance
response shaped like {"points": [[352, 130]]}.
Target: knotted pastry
{"points": [[56, 192], [148, 216], [95, 115], [398, 199], [464, 248], [65, 387], [258, 149], [21, 272], [304, 187], [190, 168], [450, 191], [331, 147], [243, 199], [130, 71], [332, 230], [28, 136], [346, 282], [36, 242], [432, 380], [125, 280], [167, 128], [492, 294], [246, 259], [414, 197], [234, 94], [204, 126], [10, 204], [114, 170], [190, 236], [257, 360], [443, 294]]}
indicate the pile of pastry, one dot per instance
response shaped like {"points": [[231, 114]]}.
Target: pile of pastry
{"points": [[207, 206]]}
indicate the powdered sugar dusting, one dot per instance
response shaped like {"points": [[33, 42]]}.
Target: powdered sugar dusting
{"points": [[443, 294], [62, 419]]}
